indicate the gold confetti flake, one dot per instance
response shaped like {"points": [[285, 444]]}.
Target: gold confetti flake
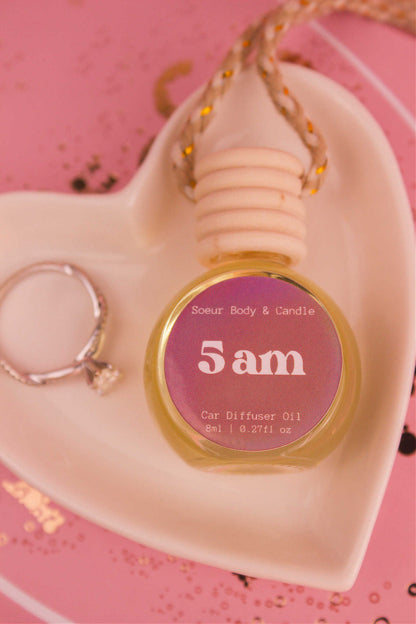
{"points": [[163, 103], [188, 150], [29, 526], [205, 111], [36, 503]]}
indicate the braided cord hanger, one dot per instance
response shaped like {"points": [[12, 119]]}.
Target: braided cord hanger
{"points": [[265, 35]]}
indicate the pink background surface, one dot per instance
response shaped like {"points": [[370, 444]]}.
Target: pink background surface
{"points": [[76, 89]]}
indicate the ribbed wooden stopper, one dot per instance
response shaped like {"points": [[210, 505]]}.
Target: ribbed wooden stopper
{"points": [[248, 200]]}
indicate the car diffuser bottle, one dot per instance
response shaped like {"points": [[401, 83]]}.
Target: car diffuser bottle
{"points": [[252, 367]]}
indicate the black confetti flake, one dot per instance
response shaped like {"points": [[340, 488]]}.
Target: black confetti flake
{"points": [[244, 579], [79, 184], [407, 444], [109, 182]]}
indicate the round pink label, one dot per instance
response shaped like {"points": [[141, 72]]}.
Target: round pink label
{"points": [[253, 362]]}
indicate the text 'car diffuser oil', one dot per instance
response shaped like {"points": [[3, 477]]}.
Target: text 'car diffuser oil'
{"points": [[252, 367]]}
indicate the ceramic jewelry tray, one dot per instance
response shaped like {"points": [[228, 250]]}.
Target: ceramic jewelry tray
{"points": [[105, 458]]}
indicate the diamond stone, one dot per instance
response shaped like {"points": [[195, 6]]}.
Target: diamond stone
{"points": [[105, 379], [101, 376]]}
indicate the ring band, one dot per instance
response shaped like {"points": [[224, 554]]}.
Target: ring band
{"points": [[100, 376]]}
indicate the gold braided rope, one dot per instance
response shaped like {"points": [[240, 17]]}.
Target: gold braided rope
{"points": [[265, 35], [184, 151]]}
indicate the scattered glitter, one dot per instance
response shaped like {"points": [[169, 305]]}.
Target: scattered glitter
{"points": [[3, 539], [336, 599], [188, 150], [79, 184], [407, 444], [280, 601], [293, 57], [244, 579], [374, 597], [29, 526], [110, 181], [95, 164], [163, 103], [130, 558], [205, 111], [37, 504]]}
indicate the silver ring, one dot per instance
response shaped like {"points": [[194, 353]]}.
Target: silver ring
{"points": [[100, 376]]}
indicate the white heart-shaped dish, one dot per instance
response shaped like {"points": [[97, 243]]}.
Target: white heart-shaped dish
{"points": [[105, 458]]}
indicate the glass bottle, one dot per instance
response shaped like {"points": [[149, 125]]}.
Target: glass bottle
{"points": [[252, 367]]}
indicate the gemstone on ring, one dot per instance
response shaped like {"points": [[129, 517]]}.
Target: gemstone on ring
{"points": [[101, 376]]}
